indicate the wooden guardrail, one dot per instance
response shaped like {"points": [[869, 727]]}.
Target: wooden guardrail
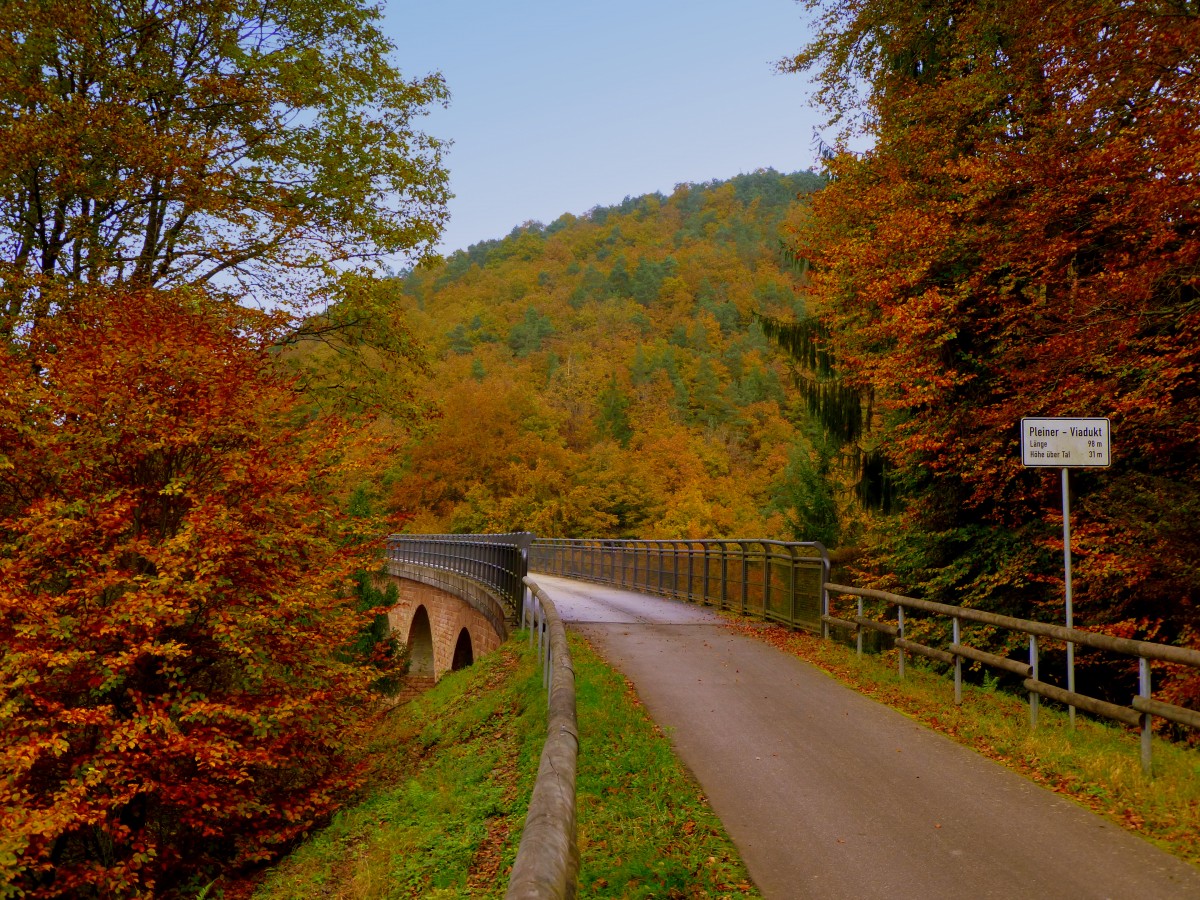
{"points": [[547, 864], [1138, 714]]}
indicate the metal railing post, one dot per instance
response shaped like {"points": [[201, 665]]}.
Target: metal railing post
{"points": [[725, 575], [858, 629], [825, 599], [1147, 723], [793, 572], [766, 597], [674, 569], [745, 580], [957, 664], [900, 634], [658, 548], [1033, 695]]}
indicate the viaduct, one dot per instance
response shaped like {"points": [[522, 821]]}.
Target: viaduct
{"points": [[445, 619]]}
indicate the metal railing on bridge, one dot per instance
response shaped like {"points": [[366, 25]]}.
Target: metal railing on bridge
{"points": [[783, 582], [499, 561], [788, 583], [774, 580]]}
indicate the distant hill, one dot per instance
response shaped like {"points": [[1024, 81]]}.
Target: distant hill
{"points": [[604, 375]]}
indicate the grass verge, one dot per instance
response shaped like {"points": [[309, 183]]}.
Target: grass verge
{"points": [[645, 830], [1097, 763], [450, 776], [449, 780]]}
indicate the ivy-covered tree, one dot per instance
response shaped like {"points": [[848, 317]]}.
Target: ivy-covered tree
{"points": [[804, 496]]}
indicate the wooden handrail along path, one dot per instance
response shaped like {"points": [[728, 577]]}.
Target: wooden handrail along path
{"points": [[1138, 714]]}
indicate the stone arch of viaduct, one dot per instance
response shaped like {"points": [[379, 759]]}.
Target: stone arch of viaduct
{"points": [[446, 620]]}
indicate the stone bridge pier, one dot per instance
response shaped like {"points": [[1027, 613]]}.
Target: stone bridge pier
{"points": [[446, 620]]}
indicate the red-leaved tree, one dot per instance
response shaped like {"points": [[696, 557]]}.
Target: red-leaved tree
{"points": [[175, 686], [1022, 239]]}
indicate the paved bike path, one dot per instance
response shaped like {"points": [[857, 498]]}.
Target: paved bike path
{"points": [[829, 794]]}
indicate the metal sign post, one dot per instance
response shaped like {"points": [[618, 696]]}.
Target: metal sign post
{"points": [[1065, 443], [1066, 494]]}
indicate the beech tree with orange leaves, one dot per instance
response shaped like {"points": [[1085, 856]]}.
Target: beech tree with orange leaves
{"points": [[1020, 239], [176, 615], [180, 643]]}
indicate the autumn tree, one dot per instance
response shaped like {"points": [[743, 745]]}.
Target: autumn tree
{"points": [[177, 675], [256, 148], [1020, 239], [177, 636]]}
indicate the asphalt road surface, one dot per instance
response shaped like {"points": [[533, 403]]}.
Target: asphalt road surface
{"points": [[828, 794]]}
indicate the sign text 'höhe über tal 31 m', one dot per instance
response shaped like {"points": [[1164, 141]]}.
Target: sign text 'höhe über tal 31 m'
{"points": [[1066, 442]]}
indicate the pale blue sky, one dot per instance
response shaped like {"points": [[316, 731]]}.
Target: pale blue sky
{"points": [[559, 106]]}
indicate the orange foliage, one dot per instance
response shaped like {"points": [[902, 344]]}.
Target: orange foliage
{"points": [[601, 376], [1022, 239], [174, 608]]}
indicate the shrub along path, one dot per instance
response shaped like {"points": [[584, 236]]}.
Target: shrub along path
{"points": [[829, 794]]}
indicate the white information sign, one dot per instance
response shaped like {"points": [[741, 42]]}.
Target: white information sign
{"points": [[1063, 442]]}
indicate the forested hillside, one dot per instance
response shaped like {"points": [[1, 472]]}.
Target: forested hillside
{"points": [[1020, 239], [604, 375]]}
